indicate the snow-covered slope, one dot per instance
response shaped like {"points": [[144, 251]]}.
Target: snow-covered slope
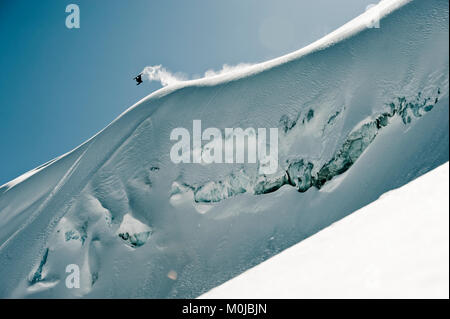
{"points": [[360, 112], [396, 247]]}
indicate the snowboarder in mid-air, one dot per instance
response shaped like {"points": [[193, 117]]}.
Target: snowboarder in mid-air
{"points": [[138, 79]]}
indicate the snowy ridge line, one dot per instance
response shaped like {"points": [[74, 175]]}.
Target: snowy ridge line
{"points": [[354, 26], [383, 8]]}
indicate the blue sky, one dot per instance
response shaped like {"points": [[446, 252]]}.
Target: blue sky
{"points": [[60, 86]]}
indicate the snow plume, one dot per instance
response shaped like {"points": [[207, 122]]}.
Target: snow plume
{"points": [[227, 68], [160, 74]]}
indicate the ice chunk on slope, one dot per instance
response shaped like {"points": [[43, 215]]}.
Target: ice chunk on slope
{"points": [[396, 247], [133, 231]]}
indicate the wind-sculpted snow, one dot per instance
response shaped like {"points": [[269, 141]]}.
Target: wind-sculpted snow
{"points": [[360, 112]]}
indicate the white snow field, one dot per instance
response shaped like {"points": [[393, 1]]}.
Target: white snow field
{"points": [[395, 247], [360, 112]]}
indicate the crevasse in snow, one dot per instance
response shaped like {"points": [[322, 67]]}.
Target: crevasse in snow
{"points": [[300, 173]]}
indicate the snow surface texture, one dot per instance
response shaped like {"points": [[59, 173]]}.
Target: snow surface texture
{"points": [[396, 247], [360, 112]]}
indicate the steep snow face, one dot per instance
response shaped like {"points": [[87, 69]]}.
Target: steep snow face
{"points": [[360, 112], [395, 247]]}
